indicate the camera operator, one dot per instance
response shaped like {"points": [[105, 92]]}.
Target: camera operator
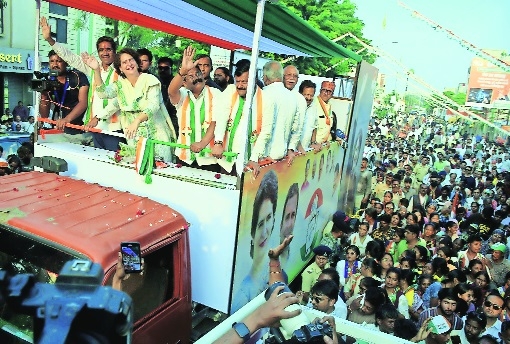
{"points": [[69, 99]]}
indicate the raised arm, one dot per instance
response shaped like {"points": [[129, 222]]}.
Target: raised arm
{"points": [[65, 54], [176, 83]]}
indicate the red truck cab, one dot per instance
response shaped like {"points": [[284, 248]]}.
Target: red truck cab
{"points": [[47, 219]]}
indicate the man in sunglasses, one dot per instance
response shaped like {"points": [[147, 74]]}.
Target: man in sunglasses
{"points": [[492, 308], [165, 65]]}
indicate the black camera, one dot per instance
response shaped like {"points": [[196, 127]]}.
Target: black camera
{"points": [[301, 330], [74, 309], [45, 81], [312, 333]]}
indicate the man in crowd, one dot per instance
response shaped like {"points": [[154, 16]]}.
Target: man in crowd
{"points": [[312, 272], [165, 65], [231, 122], [101, 113], [447, 306], [195, 104], [474, 324], [145, 59], [310, 121], [290, 79], [22, 111], [275, 139], [204, 63], [492, 308], [497, 264], [70, 105], [364, 186], [325, 112], [222, 78]]}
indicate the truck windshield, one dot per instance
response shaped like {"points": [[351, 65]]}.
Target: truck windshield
{"points": [[20, 254]]}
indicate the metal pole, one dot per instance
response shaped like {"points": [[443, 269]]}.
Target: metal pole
{"points": [[257, 32]]}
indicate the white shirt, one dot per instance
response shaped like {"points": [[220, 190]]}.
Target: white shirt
{"points": [[310, 123], [99, 109], [279, 107]]}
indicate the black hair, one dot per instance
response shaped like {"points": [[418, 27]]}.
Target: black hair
{"points": [[372, 264], [424, 253], [106, 39], [474, 237], [145, 51], [405, 329], [413, 229], [386, 311], [446, 293], [375, 249], [489, 338], [411, 260], [408, 276], [354, 248], [201, 56], [326, 287], [307, 84], [376, 296], [333, 274], [440, 266], [167, 60], [369, 282], [132, 53]]}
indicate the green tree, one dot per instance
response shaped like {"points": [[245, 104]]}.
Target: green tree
{"points": [[458, 97], [334, 18]]}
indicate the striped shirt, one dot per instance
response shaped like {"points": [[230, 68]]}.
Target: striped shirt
{"points": [[454, 319]]}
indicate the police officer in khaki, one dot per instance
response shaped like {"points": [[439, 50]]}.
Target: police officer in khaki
{"points": [[312, 272]]}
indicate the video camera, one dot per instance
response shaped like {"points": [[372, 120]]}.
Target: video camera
{"points": [[76, 309], [45, 81], [301, 330]]}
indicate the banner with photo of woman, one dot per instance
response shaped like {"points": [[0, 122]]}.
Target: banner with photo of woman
{"points": [[299, 199]]}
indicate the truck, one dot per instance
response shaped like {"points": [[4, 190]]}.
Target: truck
{"points": [[197, 229]]}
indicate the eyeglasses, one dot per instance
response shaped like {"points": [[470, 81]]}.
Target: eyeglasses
{"points": [[318, 299], [104, 49], [323, 90], [293, 76], [163, 67], [493, 305]]}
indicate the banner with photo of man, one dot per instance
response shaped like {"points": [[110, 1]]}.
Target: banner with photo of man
{"points": [[299, 199]]}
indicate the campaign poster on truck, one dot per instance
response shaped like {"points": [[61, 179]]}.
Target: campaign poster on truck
{"points": [[283, 200]]}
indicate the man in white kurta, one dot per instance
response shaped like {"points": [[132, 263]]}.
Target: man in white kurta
{"points": [[278, 120], [102, 113], [195, 103], [230, 133], [324, 112]]}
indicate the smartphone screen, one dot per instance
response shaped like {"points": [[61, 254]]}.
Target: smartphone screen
{"points": [[131, 257]]}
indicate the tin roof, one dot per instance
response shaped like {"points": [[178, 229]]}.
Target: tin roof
{"points": [[84, 217]]}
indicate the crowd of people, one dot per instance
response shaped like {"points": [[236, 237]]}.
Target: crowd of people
{"points": [[428, 237], [199, 109], [21, 119]]}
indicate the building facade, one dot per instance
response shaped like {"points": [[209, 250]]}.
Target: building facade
{"points": [[18, 29]]}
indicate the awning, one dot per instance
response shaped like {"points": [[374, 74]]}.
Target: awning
{"points": [[224, 23]]}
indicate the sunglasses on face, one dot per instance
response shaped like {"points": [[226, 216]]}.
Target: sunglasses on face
{"points": [[493, 305]]}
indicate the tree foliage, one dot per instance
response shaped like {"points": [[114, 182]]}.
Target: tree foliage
{"points": [[458, 97], [334, 18]]}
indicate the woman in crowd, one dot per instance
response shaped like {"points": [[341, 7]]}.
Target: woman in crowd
{"points": [[361, 238], [349, 266], [474, 267], [395, 295], [386, 264], [466, 297], [369, 268], [143, 113]]}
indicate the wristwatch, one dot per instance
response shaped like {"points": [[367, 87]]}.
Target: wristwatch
{"points": [[242, 331]]}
